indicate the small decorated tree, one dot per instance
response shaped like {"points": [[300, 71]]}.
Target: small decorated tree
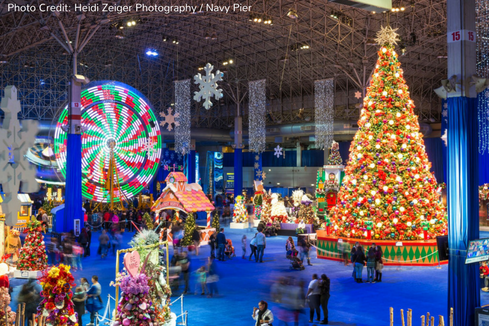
{"points": [[7, 316], [148, 221], [33, 254], [334, 156], [240, 214], [306, 213], [189, 230], [57, 307], [215, 221]]}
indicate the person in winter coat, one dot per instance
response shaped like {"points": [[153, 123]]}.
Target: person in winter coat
{"points": [[253, 246], [221, 243], [371, 264], [359, 263], [379, 264], [79, 298], [212, 244], [352, 258], [94, 301], [324, 285], [196, 240], [262, 315]]}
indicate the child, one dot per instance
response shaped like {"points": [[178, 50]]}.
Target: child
{"points": [[243, 245], [201, 278]]}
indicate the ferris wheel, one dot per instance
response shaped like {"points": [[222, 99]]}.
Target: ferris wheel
{"points": [[121, 142]]}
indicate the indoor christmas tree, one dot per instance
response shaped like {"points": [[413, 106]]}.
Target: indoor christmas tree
{"points": [[148, 221], [215, 221], [388, 191], [189, 230], [334, 156], [57, 307], [240, 214], [33, 255]]}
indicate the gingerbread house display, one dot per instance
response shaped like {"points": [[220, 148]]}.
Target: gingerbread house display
{"points": [[179, 195]]}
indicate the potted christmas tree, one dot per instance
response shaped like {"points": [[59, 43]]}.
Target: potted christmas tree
{"points": [[33, 255], [189, 230], [57, 308]]}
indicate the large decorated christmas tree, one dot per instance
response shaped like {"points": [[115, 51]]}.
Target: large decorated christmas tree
{"points": [[57, 307], [33, 254], [266, 212], [388, 191]]}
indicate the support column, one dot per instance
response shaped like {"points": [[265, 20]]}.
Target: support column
{"points": [[238, 156], [462, 155], [73, 195], [191, 163], [257, 167], [298, 152]]}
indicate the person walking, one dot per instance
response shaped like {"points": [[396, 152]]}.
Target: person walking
{"points": [[243, 245], [212, 278], [196, 240], [221, 244], [212, 244], [89, 237], [262, 315], [261, 244], [305, 248], [371, 264], [79, 299], [313, 297], [324, 285], [94, 301], [253, 246], [83, 240], [30, 296], [359, 263], [103, 243], [184, 263], [352, 258], [379, 264]]}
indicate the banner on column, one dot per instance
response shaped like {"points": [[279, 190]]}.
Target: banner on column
{"points": [[258, 168]]}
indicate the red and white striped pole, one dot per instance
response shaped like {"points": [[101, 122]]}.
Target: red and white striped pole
{"points": [[208, 220]]}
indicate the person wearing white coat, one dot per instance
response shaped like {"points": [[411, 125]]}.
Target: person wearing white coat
{"points": [[262, 315]]}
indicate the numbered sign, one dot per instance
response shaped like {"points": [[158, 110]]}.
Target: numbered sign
{"points": [[461, 35]]}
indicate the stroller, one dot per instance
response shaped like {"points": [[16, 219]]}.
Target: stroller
{"points": [[295, 262]]}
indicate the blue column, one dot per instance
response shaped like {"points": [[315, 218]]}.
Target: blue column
{"points": [[191, 166], [257, 167], [238, 171], [463, 207], [73, 193]]}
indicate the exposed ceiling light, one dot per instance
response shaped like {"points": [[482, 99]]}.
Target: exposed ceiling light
{"points": [[151, 53], [207, 36], [214, 36], [292, 14], [120, 34]]}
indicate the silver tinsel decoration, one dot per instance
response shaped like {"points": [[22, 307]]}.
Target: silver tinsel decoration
{"points": [[182, 106], [482, 32], [257, 110], [324, 115]]}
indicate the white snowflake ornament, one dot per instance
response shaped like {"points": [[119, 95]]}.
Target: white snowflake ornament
{"points": [[358, 95], [15, 170], [208, 86], [170, 118], [278, 151], [445, 137]]}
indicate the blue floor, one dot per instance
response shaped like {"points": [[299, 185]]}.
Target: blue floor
{"points": [[243, 283]]}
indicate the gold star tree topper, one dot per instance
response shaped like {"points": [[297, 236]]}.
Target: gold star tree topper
{"points": [[387, 35]]}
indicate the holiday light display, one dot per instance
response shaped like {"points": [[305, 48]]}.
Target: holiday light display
{"points": [[7, 316], [388, 191], [334, 156], [113, 112], [189, 230], [240, 214], [33, 254], [57, 307]]}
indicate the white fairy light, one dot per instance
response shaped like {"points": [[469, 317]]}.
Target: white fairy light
{"points": [[324, 112], [182, 107], [257, 111]]}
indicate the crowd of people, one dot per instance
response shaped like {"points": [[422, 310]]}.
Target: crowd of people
{"points": [[372, 259]]}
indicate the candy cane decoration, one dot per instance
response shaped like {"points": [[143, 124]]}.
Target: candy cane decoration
{"points": [[208, 220], [169, 237]]}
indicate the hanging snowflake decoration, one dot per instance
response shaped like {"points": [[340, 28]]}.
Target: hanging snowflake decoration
{"points": [[170, 119], [263, 175], [208, 86], [258, 172], [358, 95], [256, 165], [445, 137], [278, 151]]}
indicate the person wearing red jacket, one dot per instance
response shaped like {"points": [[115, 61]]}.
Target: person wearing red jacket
{"points": [[484, 271]]}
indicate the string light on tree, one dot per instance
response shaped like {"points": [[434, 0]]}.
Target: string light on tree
{"points": [[388, 189], [182, 108]]}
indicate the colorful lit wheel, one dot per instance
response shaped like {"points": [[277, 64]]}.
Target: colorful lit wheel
{"points": [[113, 114]]}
